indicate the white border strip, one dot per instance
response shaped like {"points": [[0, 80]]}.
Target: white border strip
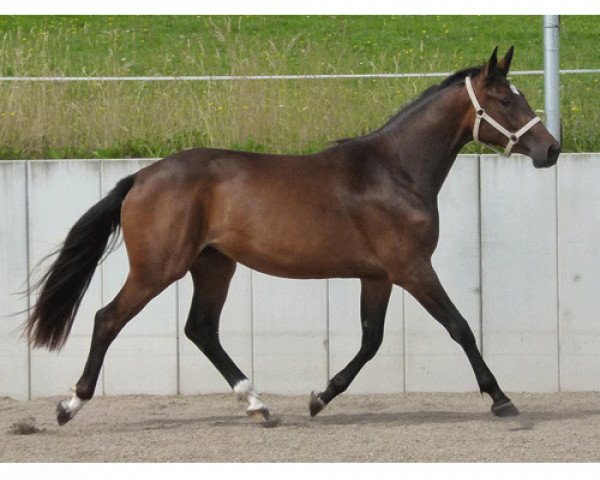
{"points": [[210, 78], [313, 7]]}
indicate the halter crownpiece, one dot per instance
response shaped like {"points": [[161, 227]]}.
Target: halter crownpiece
{"points": [[480, 114]]}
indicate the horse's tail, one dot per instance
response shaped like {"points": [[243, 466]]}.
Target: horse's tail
{"points": [[66, 281]]}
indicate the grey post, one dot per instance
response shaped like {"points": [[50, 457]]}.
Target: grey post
{"points": [[551, 74]]}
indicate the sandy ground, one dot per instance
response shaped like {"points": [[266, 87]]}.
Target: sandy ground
{"points": [[354, 428]]}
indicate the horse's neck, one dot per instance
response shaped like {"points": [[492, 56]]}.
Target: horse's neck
{"points": [[425, 143]]}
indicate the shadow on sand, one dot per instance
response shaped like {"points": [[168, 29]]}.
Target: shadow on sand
{"points": [[526, 421]]}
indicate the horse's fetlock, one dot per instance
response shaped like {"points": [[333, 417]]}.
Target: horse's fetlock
{"points": [[339, 383], [488, 384], [85, 392]]}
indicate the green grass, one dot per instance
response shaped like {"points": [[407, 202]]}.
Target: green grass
{"points": [[122, 119]]}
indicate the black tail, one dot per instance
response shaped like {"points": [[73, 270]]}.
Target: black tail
{"points": [[64, 284]]}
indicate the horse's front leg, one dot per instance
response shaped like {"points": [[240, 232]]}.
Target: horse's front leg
{"points": [[374, 298], [422, 283]]}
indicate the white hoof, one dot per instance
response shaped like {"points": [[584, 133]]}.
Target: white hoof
{"points": [[245, 391], [67, 409]]}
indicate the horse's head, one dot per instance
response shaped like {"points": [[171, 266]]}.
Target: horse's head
{"points": [[502, 116]]}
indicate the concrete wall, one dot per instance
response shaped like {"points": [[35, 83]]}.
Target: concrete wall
{"points": [[519, 254]]}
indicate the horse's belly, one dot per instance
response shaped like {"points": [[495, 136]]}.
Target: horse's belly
{"points": [[291, 229], [302, 256]]}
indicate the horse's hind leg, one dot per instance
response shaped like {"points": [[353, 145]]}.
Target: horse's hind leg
{"points": [[109, 321], [211, 273], [374, 298]]}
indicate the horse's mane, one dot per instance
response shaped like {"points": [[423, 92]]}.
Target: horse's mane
{"points": [[453, 79]]}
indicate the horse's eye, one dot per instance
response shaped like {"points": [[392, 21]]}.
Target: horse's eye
{"points": [[505, 101]]}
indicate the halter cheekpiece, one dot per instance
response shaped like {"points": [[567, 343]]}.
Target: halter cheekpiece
{"points": [[480, 114]]}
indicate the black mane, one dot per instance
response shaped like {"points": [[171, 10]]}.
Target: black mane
{"points": [[453, 79], [458, 76]]}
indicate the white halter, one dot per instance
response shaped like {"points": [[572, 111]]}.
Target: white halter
{"points": [[480, 114]]}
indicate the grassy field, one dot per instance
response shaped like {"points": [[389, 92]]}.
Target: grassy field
{"points": [[125, 119]]}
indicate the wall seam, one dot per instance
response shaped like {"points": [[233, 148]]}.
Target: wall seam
{"points": [[480, 229], [404, 353], [177, 340], [102, 293], [556, 212], [28, 266], [252, 377], [327, 333]]}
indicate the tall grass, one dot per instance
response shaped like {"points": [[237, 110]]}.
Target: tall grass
{"points": [[137, 119], [125, 119]]}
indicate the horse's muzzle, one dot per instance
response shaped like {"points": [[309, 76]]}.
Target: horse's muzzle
{"points": [[551, 157]]}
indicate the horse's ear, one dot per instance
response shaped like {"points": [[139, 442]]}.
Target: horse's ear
{"points": [[504, 64], [491, 67]]}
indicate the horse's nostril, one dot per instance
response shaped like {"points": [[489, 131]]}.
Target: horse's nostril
{"points": [[553, 153]]}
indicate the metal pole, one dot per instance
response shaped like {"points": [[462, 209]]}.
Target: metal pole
{"points": [[551, 74]]}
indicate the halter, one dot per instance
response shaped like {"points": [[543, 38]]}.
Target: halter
{"points": [[480, 114]]}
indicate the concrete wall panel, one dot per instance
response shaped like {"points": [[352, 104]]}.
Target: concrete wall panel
{"points": [[59, 193], [290, 334], [14, 351], [385, 372], [197, 374], [579, 271], [434, 362], [518, 221], [535, 307], [143, 358]]}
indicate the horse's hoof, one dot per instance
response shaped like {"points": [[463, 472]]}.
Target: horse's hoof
{"points": [[264, 417], [260, 414], [505, 409], [63, 414], [316, 404]]}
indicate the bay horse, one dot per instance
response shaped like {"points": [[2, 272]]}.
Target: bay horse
{"points": [[363, 208]]}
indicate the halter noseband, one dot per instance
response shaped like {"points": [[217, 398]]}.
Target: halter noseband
{"points": [[480, 114]]}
